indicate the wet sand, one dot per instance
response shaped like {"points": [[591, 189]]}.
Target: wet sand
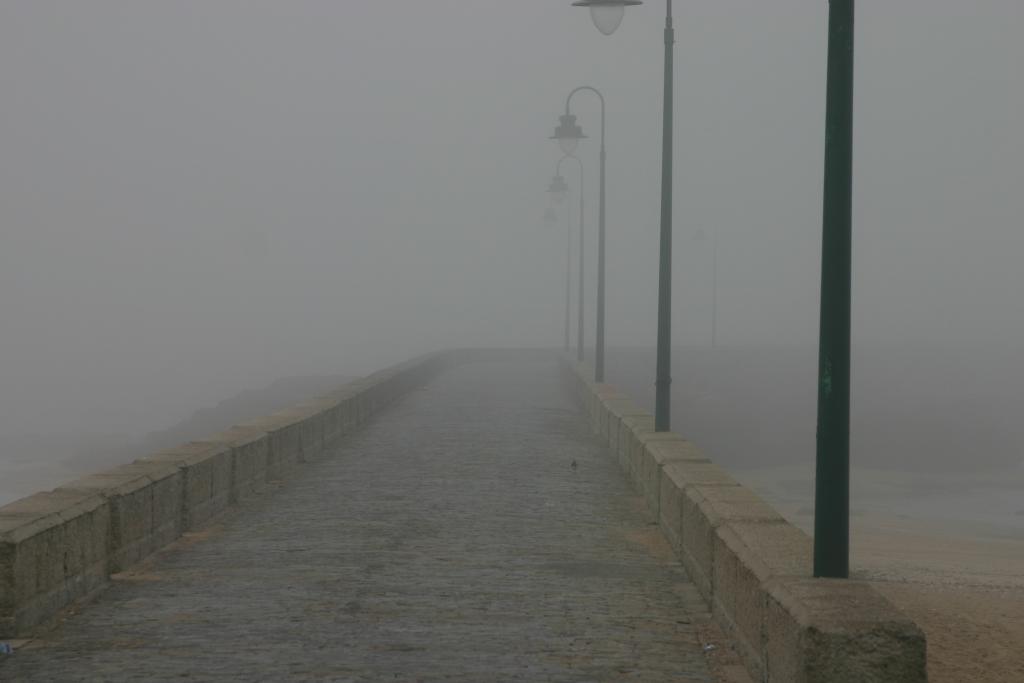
{"points": [[966, 593]]}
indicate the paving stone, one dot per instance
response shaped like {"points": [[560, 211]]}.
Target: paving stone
{"points": [[448, 540]]}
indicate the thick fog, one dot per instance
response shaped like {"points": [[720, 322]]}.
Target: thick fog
{"points": [[199, 198]]}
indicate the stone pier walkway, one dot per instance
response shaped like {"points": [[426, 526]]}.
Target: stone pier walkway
{"points": [[449, 540]]}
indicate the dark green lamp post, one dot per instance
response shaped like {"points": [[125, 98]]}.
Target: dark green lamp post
{"points": [[568, 133], [832, 475], [607, 15]]}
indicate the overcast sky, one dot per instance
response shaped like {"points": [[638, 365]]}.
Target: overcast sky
{"points": [[198, 197]]}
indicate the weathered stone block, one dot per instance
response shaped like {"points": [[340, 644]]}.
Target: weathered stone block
{"points": [[248, 460], [617, 408], [362, 405], [606, 396], [670, 511], [315, 426], [206, 470], [305, 423], [656, 450], [621, 451], [746, 555], [838, 631], [696, 529], [346, 410], [284, 442], [705, 507], [145, 501], [331, 419], [629, 443], [53, 550]]}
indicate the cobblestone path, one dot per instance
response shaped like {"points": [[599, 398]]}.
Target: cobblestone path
{"points": [[449, 540]]}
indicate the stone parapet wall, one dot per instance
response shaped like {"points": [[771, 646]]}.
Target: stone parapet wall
{"points": [[59, 546], [752, 566]]}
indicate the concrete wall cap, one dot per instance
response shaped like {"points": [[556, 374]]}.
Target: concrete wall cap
{"points": [[270, 424], [300, 412], [668, 451], [732, 503], [236, 436], [319, 405], [659, 437], [39, 512], [769, 549], [688, 474], [123, 479], [624, 406], [639, 423], [188, 454], [839, 605]]}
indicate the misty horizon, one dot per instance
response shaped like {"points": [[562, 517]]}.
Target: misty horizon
{"points": [[200, 199]]}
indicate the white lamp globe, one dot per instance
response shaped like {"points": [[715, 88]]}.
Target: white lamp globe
{"points": [[607, 14], [607, 18]]}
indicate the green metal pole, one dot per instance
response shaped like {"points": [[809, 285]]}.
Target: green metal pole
{"points": [[579, 329], [832, 479], [599, 335], [663, 384], [568, 273], [599, 339]]}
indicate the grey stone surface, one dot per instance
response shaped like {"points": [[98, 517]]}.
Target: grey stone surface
{"points": [[448, 540]]}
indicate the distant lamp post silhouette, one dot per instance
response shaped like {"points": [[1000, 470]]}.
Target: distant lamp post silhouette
{"points": [[560, 189], [569, 134], [551, 218], [701, 236], [607, 16]]}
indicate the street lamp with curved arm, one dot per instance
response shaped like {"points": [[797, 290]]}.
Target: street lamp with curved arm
{"points": [[568, 135], [607, 15], [832, 458]]}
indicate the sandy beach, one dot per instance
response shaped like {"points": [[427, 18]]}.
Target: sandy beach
{"points": [[960, 579]]}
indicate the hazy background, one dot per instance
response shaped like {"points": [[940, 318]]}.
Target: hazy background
{"points": [[199, 198]]}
